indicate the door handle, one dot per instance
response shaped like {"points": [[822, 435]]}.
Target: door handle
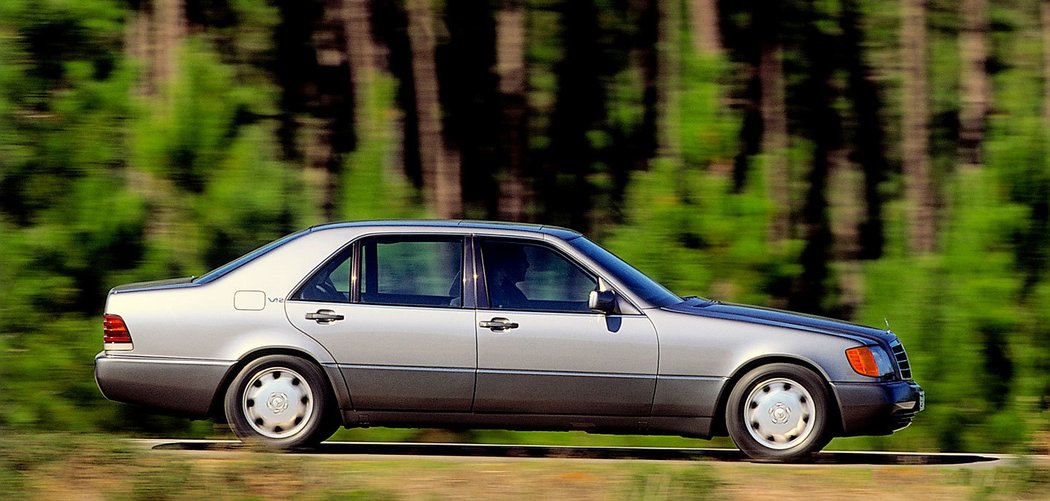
{"points": [[498, 324], [324, 316]]}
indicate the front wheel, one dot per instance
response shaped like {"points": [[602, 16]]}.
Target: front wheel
{"points": [[279, 401], [779, 412]]}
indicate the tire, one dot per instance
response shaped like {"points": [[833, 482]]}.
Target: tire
{"points": [[279, 401], [779, 412]]}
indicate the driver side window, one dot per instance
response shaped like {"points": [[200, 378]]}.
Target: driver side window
{"points": [[534, 277], [331, 284]]}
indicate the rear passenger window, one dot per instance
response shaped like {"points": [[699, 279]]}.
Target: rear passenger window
{"points": [[331, 284], [417, 271]]}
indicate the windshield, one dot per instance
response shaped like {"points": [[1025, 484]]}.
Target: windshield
{"points": [[241, 261], [645, 287]]}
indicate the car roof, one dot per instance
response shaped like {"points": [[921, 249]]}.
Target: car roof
{"points": [[466, 224]]}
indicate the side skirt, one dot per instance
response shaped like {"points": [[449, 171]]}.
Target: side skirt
{"points": [[692, 427]]}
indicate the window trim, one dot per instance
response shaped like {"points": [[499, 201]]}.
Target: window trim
{"points": [[482, 288], [297, 291], [355, 273], [411, 237], [470, 276]]}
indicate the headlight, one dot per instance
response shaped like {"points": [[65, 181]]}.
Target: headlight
{"points": [[869, 361]]}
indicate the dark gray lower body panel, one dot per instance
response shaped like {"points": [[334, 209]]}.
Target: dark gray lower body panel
{"points": [[876, 408], [375, 387], [694, 427], [687, 395], [534, 392], [339, 389], [178, 385], [392, 388]]}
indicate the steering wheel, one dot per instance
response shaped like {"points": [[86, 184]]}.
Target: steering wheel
{"points": [[325, 291]]}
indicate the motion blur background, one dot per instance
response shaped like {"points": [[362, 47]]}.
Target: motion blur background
{"points": [[869, 160]]}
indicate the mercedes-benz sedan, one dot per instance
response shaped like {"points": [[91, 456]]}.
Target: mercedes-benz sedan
{"points": [[462, 324]]}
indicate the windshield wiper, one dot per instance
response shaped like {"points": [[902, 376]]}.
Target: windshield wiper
{"points": [[703, 300]]}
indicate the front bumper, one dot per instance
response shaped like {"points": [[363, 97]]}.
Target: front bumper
{"points": [[878, 408]]}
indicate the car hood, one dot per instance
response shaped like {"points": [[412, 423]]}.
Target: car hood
{"points": [[780, 318]]}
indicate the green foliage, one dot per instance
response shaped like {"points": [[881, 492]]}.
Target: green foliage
{"points": [[957, 314], [372, 187], [686, 227], [103, 181], [81, 214], [214, 176]]}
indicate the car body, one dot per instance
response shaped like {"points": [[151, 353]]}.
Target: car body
{"points": [[477, 324]]}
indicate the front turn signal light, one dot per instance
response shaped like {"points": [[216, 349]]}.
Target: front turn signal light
{"points": [[863, 361]]}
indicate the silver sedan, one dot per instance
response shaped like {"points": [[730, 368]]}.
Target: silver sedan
{"points": [[462, 324]]}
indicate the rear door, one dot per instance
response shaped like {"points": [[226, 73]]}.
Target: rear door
{"points": [[390, 309]]}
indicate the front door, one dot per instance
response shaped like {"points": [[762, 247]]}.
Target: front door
{"points": [[542, 351]]}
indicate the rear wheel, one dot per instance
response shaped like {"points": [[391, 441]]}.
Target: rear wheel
{"points": [[779, 412], [280, 401]]}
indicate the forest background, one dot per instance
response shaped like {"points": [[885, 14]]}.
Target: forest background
{"points": [[878, 161]]}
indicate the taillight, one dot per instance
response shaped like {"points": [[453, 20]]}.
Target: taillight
{"points": [[114, 330]]}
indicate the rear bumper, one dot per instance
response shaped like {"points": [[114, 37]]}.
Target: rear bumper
{"points": [[183, 386], [878, 408]]}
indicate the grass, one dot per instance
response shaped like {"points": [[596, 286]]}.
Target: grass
{"points": [[68, 466]]}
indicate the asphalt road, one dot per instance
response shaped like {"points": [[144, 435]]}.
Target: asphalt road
{"points": [[452, 452]]}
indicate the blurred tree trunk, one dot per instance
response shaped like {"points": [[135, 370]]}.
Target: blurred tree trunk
{"points": [[750, 138], [169, 30], [137, 43], [856, 218], [767, 19], [649, 61], [819, 121], [919, 196], [1041, 214], [330, 102], [579, 109], [360, 51], [707, 38], [844, 195], [471, 102], [154, 33], [510, 64], [155, 30], [870, 143], [1044, 15], [975, 88], [668, 119], [440, 166], [317, 111]]}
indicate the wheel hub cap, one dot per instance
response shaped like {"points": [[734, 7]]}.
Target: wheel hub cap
{"points": [[277, 402], [779, 413]]}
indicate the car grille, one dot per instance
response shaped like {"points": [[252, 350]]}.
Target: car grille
{"points": [[902, 359]]}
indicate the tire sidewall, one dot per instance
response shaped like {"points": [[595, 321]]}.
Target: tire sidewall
{"points": [[319, 422], [737, 426]]}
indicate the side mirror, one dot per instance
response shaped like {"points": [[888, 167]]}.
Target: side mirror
{"points": [[603, 301]]}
